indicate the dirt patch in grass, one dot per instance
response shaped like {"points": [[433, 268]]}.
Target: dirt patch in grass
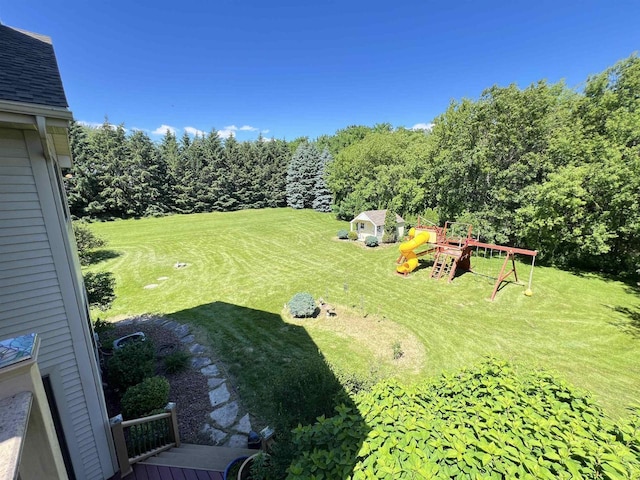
{"points": [[392, 346]]}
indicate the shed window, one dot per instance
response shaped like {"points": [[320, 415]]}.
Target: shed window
{"points": [[362, 226]]}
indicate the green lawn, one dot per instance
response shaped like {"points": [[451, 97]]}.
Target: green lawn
{"points": [[244, 266]]}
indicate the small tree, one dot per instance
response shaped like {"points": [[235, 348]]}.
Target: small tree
{"points": [[390, 226], [86, 240], [100, 289]]}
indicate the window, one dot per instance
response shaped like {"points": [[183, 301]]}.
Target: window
{"points": [[361, 226]]}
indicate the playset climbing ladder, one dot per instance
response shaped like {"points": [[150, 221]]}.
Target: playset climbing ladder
{"points": [[441, 265]]}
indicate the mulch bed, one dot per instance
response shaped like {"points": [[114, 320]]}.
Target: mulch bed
{"points": [[188, 389]]}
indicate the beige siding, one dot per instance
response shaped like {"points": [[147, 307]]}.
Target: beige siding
{"points": [[31, 299]]}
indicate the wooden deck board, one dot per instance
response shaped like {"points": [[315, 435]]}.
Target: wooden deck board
{"points": [[160, 472]]}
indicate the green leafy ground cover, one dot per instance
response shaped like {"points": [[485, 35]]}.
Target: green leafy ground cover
{"points": [[487, 421], [242, 267]]}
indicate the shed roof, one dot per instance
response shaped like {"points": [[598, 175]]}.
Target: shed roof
{"points": [[376, 217], [28, 69]]}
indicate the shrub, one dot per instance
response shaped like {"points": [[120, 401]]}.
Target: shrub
{"points": [[302, 305], [303, 392], [343, 234], [101, 326], [86, 240], [142, 399], [371, 241], [100, 289], [352, 235], [487, 421], [176, 362], [388, 238], [354, 383], [131, 364]]}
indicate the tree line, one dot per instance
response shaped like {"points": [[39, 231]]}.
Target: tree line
{"points": [[545, 167], [116, 175]]}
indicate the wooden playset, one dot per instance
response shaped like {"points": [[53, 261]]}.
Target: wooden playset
{"points": [[452, 247]]}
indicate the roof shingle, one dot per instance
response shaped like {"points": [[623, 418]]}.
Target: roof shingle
{"points": [[28, 69], [378, 216]]}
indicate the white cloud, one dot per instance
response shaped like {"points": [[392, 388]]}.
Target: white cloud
{"points": [[423, 126], [112, 126], [227, 132], [248, 128], [163, 129], [264, 131], [194, 131], [268, 139], [90, 124]]}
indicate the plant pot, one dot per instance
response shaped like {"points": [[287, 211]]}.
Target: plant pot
{"points": [[134, 337], [245, 469], [231, 472]]}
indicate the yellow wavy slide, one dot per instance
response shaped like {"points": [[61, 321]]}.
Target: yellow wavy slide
{"points": [[407, 250]]}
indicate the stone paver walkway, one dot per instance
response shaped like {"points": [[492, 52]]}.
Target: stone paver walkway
{"points": [[228, 424]]}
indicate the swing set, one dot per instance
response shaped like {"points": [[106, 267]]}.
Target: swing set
{"points": [[452, 247]]}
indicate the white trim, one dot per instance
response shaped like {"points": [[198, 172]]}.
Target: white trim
{"points": [[35, 110]]}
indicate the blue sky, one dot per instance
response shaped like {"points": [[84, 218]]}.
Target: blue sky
{"points": [[292, 68]]}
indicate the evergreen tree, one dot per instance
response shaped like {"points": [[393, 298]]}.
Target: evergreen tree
{"points": [[390, 226], [322, 200], [215, 185], [301, 176], [169, 159], [278, 157], [148, 174], [81, 182], [109, 147], [184, 178]]}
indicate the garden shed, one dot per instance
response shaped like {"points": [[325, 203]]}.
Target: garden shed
{"points": [[371, 222]]}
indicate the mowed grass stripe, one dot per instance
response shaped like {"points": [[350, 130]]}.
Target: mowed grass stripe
{"points": [[243, 267]]}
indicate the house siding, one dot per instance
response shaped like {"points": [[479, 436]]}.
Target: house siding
{"points": [[31, 298]]}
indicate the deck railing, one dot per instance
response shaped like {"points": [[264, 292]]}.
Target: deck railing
{"points": [[141, 438]]}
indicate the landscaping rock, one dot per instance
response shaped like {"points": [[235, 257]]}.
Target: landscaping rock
{"points": [[244, 425], [210, 371], [197, 349], [199, 362], [213, 382], [219, 396], [188, 339], [182, 331], [216, 436], [170, 325], [226, 415]]}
